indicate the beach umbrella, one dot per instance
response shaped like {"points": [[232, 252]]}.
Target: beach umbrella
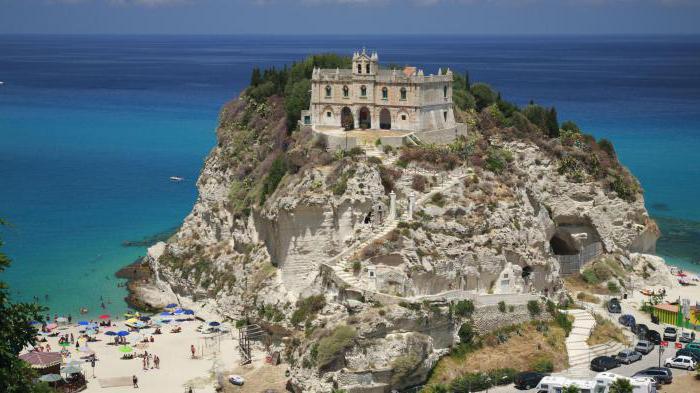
{"points": [[83, 323], [110, 333], [125, 349], [64, 344], [165, 314], [214, 323], [165, 320], [122, 333], [71, 370], [188, 312], [61, 319], [50, 378], [104, 316], [171, 305]]}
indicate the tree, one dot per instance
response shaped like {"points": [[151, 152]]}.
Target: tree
{"points": [[621, 385], [571, 389], [484, 95], [466, 79], [15, 334], [255, 78], [570, 126], [552, 123]]}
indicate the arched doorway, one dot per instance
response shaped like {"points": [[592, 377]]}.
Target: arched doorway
{"points": [[347, 121], [365, 118], [385, 119]]}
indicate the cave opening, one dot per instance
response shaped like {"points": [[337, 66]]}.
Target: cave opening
{"points": [[527, 271], [560, 245]]}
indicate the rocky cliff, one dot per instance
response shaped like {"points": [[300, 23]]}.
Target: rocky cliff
{"points": [[308, 242]]}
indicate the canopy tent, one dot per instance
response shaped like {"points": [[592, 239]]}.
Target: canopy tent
{"points": [[50, 378], [71, 370], [42, 359]]}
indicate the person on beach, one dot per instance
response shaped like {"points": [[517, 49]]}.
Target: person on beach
{"points": [[135, 381], [192, 350], [156, 361], [145, 363], [72, 339], [70, 318]]}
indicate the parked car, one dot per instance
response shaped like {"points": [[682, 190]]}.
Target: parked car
{"points": [[685, 362], [528, 379], [626, 320], [654, 337], [689, 352], [662, 374], [604, 363], [670, 334], [687, 337], [628, 356], [614, 306], [641, 331], [693, 347], [644, 347], [236, 380]]}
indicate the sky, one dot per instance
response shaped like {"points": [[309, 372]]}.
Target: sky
{"points": [[506, 17]]}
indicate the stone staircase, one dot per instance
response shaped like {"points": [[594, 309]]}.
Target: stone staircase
{"points": [[579, 352]]}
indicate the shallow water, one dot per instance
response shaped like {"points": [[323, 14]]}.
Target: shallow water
{"points": [[92, 127]]}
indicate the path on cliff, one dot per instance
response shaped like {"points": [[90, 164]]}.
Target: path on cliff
{"points": [[341, 262], [579, 352]]}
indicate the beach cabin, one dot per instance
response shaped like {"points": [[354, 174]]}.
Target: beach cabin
{"points": [[672, 315], [601, 384], [555, 384], [639, 385]]}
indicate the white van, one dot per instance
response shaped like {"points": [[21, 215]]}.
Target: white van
{"points": [[601, 384]]}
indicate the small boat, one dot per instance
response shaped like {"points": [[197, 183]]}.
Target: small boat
{"points": [[176, 179], [2, 83]]}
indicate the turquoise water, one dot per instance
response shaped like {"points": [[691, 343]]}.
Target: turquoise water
{"points": [[92, 127]]}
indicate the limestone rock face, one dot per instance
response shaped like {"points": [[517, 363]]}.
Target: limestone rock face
{"points": [[254, 244], [651, 270]]}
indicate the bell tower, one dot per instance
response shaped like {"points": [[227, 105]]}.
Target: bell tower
{"points": [[365, 64]]}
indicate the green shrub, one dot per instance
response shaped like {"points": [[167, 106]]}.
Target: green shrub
{"points": [[332, 347], [502, 306], [570, 126], [307, 308], [497, 159], [467, 333], [589, 276], [564, 322], [464, 308], [613, 287], [484, 95], [438, 199], [356, 266], [436, 388], [273, 179], [533, 307], [542, 364]]}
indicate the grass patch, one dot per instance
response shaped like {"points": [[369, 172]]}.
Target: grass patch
{"points": [[332, 347], [606, 331], [307, 309], [588, 298], [529, 346]]}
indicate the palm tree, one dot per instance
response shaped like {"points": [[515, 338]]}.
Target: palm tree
{"points": [[621, 385]]}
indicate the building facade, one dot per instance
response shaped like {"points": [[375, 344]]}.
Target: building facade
{"points": [[368, 97]]}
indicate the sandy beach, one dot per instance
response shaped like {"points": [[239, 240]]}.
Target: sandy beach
{"points": [[178, 369]]}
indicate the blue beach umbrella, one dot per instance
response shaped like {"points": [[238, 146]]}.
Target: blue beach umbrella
{"points": [[83, 323], [188, 312], [110, 333], [214, 323], [165, 314], [178, 311], [171, 305], [122, 333]]}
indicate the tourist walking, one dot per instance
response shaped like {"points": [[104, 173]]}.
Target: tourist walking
{"points": [[135, 381], [156, 361], [144, 364], [192, 350]]}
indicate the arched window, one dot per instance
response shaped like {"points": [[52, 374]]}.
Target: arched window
{"points": [[368, 68], [328, 91], [444, 91], [359, 68], [363, 91], [346, 91], [385, 93], [403, 93]]}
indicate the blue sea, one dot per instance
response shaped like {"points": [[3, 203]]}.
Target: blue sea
{"points": [[92, 127]]}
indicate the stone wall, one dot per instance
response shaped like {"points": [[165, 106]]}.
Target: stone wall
{"points": [[489, 318]]}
